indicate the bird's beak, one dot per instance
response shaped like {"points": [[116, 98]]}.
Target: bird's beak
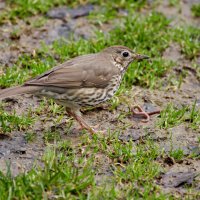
{"points": [[140, 57]]}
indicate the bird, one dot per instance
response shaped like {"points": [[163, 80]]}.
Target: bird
{"points": [[86, 80]]}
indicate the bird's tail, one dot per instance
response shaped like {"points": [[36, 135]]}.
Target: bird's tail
{"points": [[18, 90]]}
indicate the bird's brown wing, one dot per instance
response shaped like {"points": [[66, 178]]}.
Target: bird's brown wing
{"points": [[83, 71]]}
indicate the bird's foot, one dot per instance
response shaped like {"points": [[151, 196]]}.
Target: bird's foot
{"points": [[92, 129], [88, 128], [138, 111], [82, 122]]}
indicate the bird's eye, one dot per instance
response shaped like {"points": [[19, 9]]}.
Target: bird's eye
{"points": [[125, 54]]}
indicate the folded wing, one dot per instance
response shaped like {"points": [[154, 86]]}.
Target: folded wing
{"points": [[82, 71]]}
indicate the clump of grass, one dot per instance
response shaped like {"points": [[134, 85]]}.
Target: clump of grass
{"points": [[173, 116], [146, 74], [193, 117], [51, 136], [188, 38], [148, 34], [132, 167], [196, 10], [177, 154], [129, 4], [25, 8], [26, 67], [10, 122], [59, 178], [174, 2], [110, 10], [15, 34], [30, 136], [39, 22]]}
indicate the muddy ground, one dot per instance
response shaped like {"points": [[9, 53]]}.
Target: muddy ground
{"points": [[22, 154]]}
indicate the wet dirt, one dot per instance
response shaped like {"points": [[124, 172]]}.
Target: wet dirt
{"points": [[21, 155], [180, 14], [179, 176], [26, 35]]}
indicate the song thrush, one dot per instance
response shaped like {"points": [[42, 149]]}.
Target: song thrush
{"points": [[85, 80]]}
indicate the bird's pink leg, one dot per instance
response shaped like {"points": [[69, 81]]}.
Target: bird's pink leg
{"points": [[138, 111], [81, 121]]}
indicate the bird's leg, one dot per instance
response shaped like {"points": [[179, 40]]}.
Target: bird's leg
{"points": [[138, 111], [80, 120]]}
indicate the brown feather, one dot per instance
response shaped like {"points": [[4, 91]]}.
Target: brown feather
{"points": [[82, 71], [13, 91]]}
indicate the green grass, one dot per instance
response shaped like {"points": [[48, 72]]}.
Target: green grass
{"points": [[110, 10], [51, 136], [172, 116], [59, 178], [188, 39], [39, 22], [30, 136], [174, 2], [177, 154], [77, 170], [10, 122], [196, 10], [69, 174], [25, 8], [22, 9], [25, 68]]}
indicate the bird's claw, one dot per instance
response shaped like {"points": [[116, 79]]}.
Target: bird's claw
{"points": [[93, 129]]}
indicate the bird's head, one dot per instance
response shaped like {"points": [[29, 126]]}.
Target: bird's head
{"points": [[123, 56]]}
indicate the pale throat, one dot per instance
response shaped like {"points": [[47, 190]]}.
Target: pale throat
{"points": [[118, 63], [121, 66]]}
